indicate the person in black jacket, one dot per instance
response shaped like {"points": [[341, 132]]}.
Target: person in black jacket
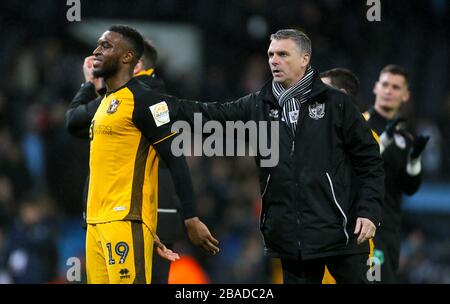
{"points": [[346, 81], [401, 154], [78, 119], [342, 79], [322, 201]]}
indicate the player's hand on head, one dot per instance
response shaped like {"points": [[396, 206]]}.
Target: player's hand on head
{"points": [[88, 68], [88, 71], [200, 235]]}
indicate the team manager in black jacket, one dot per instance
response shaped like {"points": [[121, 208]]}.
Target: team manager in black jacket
{"points": [[322, 201]]}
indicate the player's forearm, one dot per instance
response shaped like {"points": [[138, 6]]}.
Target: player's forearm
{"points": [[222, 112], [84, 95], [81, 111]]}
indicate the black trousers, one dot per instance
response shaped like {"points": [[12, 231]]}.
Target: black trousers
{"points": [[346, 269], [160, 267], [389, 244]]}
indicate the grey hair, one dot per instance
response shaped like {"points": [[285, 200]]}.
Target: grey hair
{"points": [[299, 37]]}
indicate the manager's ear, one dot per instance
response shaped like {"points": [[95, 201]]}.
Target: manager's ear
{"points": [[305, 59]]}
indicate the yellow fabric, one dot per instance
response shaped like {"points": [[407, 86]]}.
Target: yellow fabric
{"points": [[145, 72], [375, 135], [371, 250], [119, 252], [123, 181], [366, 116], [277, 271], [168, 136], [328, 278]]}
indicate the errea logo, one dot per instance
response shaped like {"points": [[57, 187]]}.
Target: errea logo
{"points": [[124, 273]]}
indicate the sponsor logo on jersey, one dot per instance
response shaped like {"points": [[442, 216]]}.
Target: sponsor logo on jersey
{"points": [[160, 112]]}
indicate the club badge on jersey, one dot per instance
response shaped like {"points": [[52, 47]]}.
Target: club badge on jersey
{"points": [[113, 106]]}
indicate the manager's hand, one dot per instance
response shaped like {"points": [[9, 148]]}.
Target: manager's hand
{"points": [[365, 228]]}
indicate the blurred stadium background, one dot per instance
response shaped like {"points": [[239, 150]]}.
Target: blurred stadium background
{"points": [[211, 51]]}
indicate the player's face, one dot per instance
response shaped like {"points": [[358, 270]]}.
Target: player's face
{"points": [[391, 91], [286, 61], [107, 54]]}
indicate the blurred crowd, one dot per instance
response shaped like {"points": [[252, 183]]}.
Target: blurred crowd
{"points": [[42, 168]]}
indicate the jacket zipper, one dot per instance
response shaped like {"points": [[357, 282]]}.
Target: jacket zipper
{"points": [[262, 197], [344, 224], [265, 188]]}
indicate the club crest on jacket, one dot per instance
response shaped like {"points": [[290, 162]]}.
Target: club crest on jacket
{"points": [[316, 110], [273, 113]]}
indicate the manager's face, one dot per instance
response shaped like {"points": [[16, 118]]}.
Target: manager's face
{"points": [[287, 61]]}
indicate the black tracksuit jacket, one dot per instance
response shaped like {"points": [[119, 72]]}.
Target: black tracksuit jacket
{"points": [[328, 176]]}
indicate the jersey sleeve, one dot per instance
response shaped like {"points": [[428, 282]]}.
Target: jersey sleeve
{"points": [[81, 110], [152, 116]]}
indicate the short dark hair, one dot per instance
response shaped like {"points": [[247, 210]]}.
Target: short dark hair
{"points": [[396, 70], [150, 55], [300, 38], [343, 79], [132, 36]]}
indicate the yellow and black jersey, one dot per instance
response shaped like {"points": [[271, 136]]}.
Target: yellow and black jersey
{"points": [[374, 133], [123, 161]]}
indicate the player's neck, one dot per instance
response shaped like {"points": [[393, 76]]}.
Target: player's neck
{"points": [[118, 80], [386, 113]]}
